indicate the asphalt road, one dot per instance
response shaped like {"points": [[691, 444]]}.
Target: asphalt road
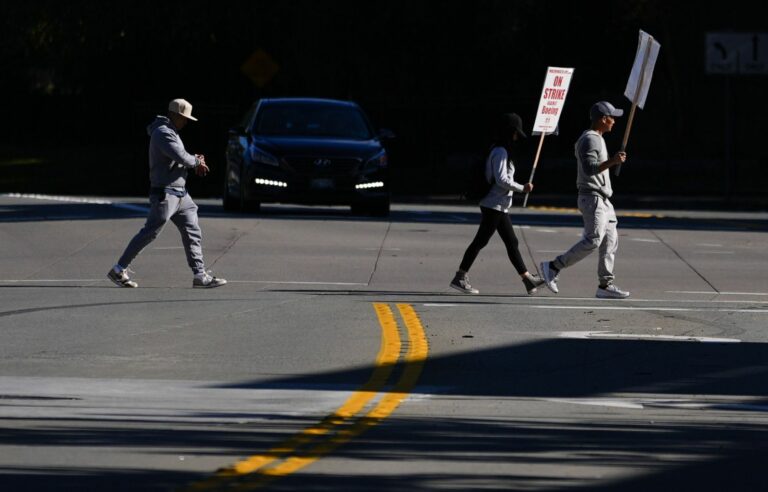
{"points": [[337, 358]]}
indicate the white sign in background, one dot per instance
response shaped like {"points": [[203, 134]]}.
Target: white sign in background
{"points": [[645, 60], [744, 53], [552, 99]]}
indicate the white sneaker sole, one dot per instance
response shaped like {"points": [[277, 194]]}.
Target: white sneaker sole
{"points": [[551, 284], [464, 291], [606, 295]]}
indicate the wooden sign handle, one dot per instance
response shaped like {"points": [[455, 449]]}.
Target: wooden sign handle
{"points": [[533, 169]]}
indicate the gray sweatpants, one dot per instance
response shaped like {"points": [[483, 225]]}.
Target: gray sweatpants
{"points": [[599, 233], [182, 211]]}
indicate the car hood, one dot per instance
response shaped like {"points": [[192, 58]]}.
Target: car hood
{"points": [[322, 147]]}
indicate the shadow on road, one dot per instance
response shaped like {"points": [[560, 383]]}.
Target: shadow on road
{"points": [[723, 449]]}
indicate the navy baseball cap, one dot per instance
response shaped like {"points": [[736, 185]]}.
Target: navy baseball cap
{"points": [[604, 108]]}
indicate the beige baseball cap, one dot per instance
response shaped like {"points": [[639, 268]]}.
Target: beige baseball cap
{"points": [[182, 107]]}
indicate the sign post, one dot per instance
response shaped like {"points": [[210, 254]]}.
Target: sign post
{"points": [[639, 80], [551, 104]]}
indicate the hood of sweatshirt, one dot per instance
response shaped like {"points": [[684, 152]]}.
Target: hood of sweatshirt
{"points": [[159, 121]]}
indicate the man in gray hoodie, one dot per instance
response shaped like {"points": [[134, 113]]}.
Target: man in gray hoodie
{"points": [[168, 197], [594, 184]]}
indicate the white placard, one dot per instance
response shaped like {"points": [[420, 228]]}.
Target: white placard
{"points": [[642, 69], [552, 99]]}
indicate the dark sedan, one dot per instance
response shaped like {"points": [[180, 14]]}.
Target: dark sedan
{"points": [[307, 151]]}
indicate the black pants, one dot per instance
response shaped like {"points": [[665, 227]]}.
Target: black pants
{"points": [[494, 221]]}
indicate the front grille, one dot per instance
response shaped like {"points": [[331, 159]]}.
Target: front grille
{"points": [[323, 166]]}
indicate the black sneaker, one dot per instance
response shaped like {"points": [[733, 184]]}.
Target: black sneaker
{"points": [[461, 283], [121, 279], [532, 283]]}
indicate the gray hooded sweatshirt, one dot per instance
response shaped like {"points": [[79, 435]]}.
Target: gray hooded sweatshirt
{"points": [[590, 153], [500, 170], [168, 160]]}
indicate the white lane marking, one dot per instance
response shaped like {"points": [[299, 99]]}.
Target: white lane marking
{"points": [[549, 231], [640, 404], [436, 304], [710, 245], [292, 282], [56, 198], [607, 335], [77, 199], [633, 300], [719, 293], [700, 252], [652, 308], [51, 280], [65, 280], [642, 240], [600, 402]]}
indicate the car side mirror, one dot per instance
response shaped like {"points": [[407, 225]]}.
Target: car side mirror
{"points": [[386, 134]]}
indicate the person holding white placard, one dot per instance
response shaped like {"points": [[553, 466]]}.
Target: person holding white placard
{"points": [[594, 185]]}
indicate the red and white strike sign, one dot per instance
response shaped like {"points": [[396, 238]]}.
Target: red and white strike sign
{"points": [[550, 107], [552, 99]]}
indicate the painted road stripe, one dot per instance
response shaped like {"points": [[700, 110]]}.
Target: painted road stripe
{"points": [[570, 210], [77, 199], [592, 299], [607, 335], [640, 404], [292, 282], [709, 292], [654, 308], [349, 420]]}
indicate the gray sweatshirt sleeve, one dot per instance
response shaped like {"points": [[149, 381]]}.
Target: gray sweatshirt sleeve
{"points": [[588, 150], [504, 175], [171, 146]]}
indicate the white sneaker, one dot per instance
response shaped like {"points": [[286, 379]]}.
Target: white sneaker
{"points": [[462, 285], [208, 282], [611, 292], [550, 278]]}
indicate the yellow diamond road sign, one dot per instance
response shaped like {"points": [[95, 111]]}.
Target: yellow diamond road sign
{"points": [[260, 67]]}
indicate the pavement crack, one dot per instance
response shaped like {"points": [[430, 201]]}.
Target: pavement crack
{"points": [[229, 246], [655, 234], [378, 255]]}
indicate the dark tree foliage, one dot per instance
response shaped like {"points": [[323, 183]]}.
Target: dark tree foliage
{"points": [[433, 71]]}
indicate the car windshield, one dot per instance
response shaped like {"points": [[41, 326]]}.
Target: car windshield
{"points": [[312, 120]]}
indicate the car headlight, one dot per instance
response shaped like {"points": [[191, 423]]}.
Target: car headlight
{"points": [[378, 161], [261, 157]]}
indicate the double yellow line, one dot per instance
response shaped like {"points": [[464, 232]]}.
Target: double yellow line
{"points": [[370, 404]]}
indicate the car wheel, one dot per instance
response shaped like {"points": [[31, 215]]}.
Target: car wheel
{"points": [[374, 208], [230, 204], [251, 206], [379, 208], [247, 205]]}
